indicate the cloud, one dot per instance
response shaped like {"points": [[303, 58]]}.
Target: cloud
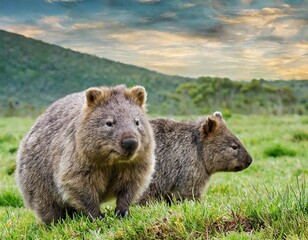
{"points": [[48, 28], [290, 63], [64, 1], [240, 39], [188, 5], [148, 1], [53, 22], [7, 19], [170, 52], [254, 18], [12, 25], [168, 15], [287, 28], [266, 24], [26, 30], [246, 2], [249, 24], [88, 26]]}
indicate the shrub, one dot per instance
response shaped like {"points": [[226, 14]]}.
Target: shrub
{"points": [[300, 136], [11, 169], [279, 151]]}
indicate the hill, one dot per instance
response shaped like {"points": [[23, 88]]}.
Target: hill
{"points": [[33, 74]]}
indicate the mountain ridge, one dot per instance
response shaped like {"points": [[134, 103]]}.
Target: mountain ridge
{"points": [[34, 74], [33, 66]]}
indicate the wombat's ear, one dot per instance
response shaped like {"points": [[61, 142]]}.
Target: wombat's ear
{"points": [[138, 95], [218, 114], [95, 95], [209, 125]]}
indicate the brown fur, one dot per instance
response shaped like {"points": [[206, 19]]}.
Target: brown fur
{"points": [[188, 153], [85, 149]]}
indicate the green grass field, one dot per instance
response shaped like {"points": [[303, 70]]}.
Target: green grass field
{"points": [[269, 200]]}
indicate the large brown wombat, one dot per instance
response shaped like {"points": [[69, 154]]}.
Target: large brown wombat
{"points": [[188, 153], [86, 148]]}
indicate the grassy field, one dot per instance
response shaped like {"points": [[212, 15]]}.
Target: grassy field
{"points": [[269, 200]]}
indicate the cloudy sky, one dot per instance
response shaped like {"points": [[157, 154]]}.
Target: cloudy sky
{"points": [[239, 39]]}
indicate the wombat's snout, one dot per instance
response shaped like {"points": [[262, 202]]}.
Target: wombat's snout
{"points": [[129, 144], [248, 160], [245, 164]]}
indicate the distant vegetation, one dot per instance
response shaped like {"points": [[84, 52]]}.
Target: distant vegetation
{"points": [[33, 74], [257, 96]]}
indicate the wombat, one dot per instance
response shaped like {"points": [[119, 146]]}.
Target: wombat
{"points": [[87, 148], [188, 153]]}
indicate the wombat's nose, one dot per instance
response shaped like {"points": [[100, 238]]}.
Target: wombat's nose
{"points": [[129, 144], [249, 160]]}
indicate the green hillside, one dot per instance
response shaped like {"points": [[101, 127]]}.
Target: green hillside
{"points": [[33, 74]]}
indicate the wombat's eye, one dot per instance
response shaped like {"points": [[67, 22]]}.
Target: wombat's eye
{"points": [[137, 122], [234, 147], [109, 123]]}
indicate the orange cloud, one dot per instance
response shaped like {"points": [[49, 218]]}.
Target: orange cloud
{"points": [[255, 18], [26, 30], [53, 21], [91, 25]]}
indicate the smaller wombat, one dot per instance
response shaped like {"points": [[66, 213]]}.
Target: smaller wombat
{"points": [[87, 148], [188, 153]]}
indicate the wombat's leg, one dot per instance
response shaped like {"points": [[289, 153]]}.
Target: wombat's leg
{"points": [[143, 201], [49, 212], [180, 197], [196, 198], [86, 200], [147, 197], [123, 201], [191, 194], [169, 199], [69, 212], [191, 197]]}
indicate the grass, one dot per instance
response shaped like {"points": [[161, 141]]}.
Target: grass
{"points": [[269, 200]]}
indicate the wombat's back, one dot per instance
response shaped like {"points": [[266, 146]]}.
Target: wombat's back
{"points": [[35, 158]]}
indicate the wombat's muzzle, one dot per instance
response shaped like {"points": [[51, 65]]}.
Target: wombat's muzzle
{"points": [[248, 161], [129, 145]]}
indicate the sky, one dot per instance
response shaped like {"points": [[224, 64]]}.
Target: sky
{"points": [[238, 39]]}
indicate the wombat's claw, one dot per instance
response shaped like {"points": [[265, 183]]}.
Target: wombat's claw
{"points": [[121, 213], [101, 216]]}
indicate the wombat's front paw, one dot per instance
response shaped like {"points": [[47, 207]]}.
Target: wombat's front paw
{"points": [[121, 213], [101, 216]]}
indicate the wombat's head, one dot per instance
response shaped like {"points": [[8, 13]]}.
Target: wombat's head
{"points": [[223, 151], [114, 127]]}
